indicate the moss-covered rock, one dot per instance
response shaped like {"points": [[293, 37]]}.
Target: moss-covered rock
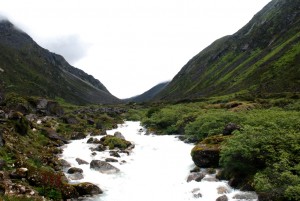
{"points": [[115, 142], [207, 153]]}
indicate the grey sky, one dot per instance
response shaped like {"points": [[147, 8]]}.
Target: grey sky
{"points": [[129, 45]]}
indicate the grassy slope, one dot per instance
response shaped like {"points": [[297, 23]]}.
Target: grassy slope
{"points": [[263, 57], [29, 69]]}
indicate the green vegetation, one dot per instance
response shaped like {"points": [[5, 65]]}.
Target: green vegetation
{"points": [[261, 58], [263, 154]]}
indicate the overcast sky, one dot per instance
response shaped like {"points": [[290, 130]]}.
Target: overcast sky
{"points": [[129, 45]]}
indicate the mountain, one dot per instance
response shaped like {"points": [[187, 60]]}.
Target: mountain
{"points": [[150, 94], [29, 69], [261, 58]]}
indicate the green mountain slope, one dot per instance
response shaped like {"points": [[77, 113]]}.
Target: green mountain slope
{"points": [[261, 58], [29, 69]]}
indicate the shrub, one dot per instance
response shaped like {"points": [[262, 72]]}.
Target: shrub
{"points": [[270, 155], [211, 123]]}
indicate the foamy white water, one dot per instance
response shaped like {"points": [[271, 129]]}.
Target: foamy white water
{"points": [[156, 170]]}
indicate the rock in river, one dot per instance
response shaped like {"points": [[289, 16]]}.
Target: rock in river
{"points": [[103, 167]]}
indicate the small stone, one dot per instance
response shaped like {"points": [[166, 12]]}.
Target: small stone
{"points": [[111, 160], [195, 176], [196, 193]]}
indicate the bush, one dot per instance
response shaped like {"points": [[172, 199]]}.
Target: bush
{"points": [[211, 123], [270, 155]]}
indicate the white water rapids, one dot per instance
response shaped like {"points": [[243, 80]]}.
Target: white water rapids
{"points": [[156, 170]]}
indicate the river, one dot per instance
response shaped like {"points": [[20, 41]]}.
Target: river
{"points": [[156, 170]]}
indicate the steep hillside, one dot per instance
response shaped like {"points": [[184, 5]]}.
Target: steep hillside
{"points": [[29, 69], [261, 58], [150, 94]]}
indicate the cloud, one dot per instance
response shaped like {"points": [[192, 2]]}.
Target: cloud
{"points": [[71, 47], [2, 17]]}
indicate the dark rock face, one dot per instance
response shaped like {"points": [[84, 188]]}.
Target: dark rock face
{"points": [[87, 188], [229, 128], [222, 198], [103, 167], [73, 170], [206, 156], [80, 161]]}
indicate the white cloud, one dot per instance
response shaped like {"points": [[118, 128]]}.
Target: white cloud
{"points": [[129, 45]]}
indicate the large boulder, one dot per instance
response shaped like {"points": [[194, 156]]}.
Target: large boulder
{"points": [[87, 188], [46, 107], [103, 167], [115, 142], [206, 153], [206, 156]]}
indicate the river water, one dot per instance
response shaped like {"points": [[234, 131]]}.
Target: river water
{"points": [[156, 170]]}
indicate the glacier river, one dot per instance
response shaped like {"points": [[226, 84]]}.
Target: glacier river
{"points": [[156, 170]]}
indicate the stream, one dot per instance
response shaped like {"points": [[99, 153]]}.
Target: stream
{"points": [[156, 170]]}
